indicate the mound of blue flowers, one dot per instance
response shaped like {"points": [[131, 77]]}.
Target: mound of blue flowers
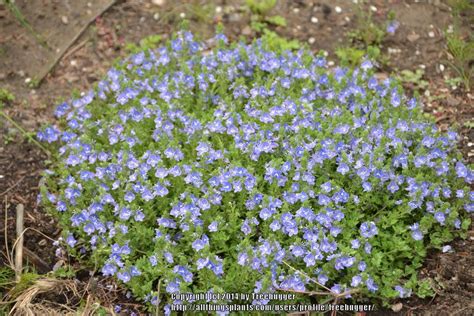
{"points": [[244, 169]]}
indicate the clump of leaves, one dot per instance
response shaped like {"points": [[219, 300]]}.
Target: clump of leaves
{"points": [[6, 96], [260, 7], [366, 38], [413, 80], [260, 19], [351, 56], [252, 168]]}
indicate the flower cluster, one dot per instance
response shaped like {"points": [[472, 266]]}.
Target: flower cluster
{"points": [[242, 169]]}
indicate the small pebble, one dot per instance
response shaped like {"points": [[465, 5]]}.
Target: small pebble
{"points": [[331, 63], [338, 9], [296, 10], [156, 16], [470, 144], [89, 4], [182, 15], [2, 176], [218, 9], [311, 40], [348, 19], [325, 53], [73, 63], [373, 8], [27, 80], [314, 20], [431, 34], [422, 66], [158, 2], [441, 67], [64, 19], [417, 52]]}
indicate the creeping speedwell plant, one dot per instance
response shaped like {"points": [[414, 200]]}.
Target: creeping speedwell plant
{"points": [[243, 169]]}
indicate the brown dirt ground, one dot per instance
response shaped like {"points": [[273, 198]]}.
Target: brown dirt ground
{"points": [[419, 43]]}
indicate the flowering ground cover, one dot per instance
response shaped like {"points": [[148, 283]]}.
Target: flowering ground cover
{"points": [[251, 168]]}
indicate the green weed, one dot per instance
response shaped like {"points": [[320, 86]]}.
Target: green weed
{"points": [[462, 52]]}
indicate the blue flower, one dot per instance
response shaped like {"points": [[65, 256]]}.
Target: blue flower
{"points": [[368, 229], [392, 27]]}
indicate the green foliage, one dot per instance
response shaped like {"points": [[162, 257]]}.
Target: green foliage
{"points": [[189, 170], [366, 38], [277, 20], [351, 56], [147, 43], [367, 31], [413, 79], [260, 20], [462, 51], [6, 96], [6, 279], [27, 279], [461, 6], [274, 42], [64, 272], [260, 7]]}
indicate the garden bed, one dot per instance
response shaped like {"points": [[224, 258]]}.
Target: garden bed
{"points": [[417, 44]]}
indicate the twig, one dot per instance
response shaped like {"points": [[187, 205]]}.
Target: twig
{"points": [[307, 276], [33, 229], [13, 186], [39, 263], [20, 211], [158, 299], [73, 40], [75, 49]]}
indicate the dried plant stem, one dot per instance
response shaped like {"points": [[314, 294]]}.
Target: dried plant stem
{"points": [[6, 234], [25, 133], [20, 211]]}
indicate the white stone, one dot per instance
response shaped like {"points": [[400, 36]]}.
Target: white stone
{"points": [[431, 34], [27, 80], [311, 40], [441, 67], [218, 9], [182, 15], [156, 16], [296, 10], [331, 63], [158, 2], [314, 20], [73, 63], [373, 8], [338, 9]]}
